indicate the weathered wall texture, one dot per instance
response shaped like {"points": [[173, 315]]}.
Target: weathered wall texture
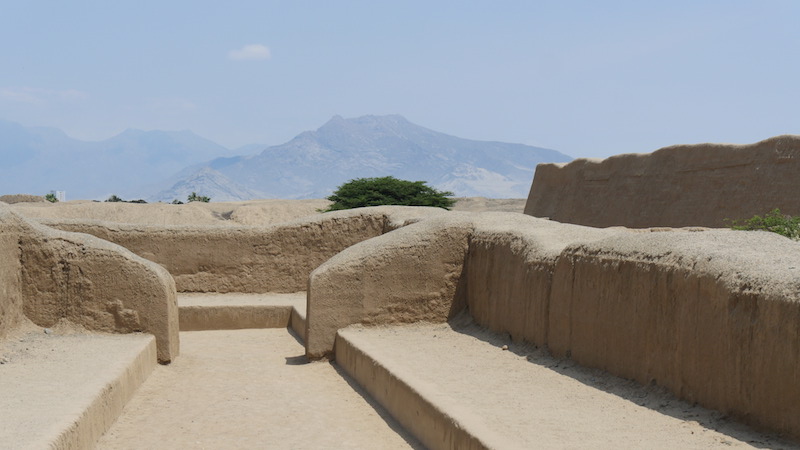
{"points": [[509, 270], [275, 258], [714, 316], [11, 302], [54, 275], [684, 185], [408, 275]]}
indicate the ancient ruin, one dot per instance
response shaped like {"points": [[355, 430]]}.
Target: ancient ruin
{"points": [[458, 329]]}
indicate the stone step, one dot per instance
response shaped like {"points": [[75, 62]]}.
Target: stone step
{"points": [[455, 387], [233, 311], [64, 391]]}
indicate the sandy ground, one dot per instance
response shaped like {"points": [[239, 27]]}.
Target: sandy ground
{"points": [[528, 399], [250, 389], [248, 213], [47, 380]]}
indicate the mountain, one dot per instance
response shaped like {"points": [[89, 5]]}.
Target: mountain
{"points": [[37, 160], [210, 183], [314, 163]]}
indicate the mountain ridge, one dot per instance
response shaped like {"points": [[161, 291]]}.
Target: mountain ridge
{"points": [[39, 159], [314, 163], [164, 165]]}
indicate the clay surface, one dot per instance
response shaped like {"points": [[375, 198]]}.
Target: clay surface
{"points": [[406, 276], [682, 185], [253, 212], [237, 311], [64, 389], [713, 316], [236, 214], [250, 389], [51, 275], [521, 397], [275, 258]]}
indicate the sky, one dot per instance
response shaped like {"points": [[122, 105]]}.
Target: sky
{"points": [[587, 78]]}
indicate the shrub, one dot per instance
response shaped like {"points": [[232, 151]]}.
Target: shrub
{"points": [[177, 202], [51, 198], [193, 197], [773, 221], [114, 199], [387, 191]]}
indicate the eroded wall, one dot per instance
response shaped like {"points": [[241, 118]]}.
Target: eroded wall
{"points": [[712, 315], [276, 258], [684, 185], [409, 275], [11, 302], [49, 275]]}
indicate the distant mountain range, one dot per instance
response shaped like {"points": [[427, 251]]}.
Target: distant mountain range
{"points": [[162, 166], [314, 163], [36, 160]]}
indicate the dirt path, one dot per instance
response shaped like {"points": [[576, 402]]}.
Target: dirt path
{"points": [[250, 389]]}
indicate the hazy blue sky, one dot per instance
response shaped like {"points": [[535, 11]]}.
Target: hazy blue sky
{"points": [[588, 78]]}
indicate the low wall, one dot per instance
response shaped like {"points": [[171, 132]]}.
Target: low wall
{"points": [[276, 258], [714, 316], [405, 276], [11, 301], [683, 185], [54, 275]]}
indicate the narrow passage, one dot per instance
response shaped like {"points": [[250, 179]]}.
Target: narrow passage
{"points": [[250, 389]]}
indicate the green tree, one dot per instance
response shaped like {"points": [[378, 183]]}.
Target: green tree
{"points": [[193, 197], [114, 199], [51, 198], [387, 191]]}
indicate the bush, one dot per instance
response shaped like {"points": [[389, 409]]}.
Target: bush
{"points": [[115, 199], [51, 198], [772, 221], [177, 202], [193, 197], [387, 191]]}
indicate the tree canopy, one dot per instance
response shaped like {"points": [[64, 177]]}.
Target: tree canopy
{"points": [[362, 192]]}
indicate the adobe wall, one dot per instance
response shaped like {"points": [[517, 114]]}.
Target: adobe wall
{"points": [[714, 316], [408, 275], [11, 302], [276, 258], [678, 186], [49, 275], [509, 271]]}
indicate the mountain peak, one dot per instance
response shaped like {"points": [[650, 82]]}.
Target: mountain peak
{"points": [[313, 163]]}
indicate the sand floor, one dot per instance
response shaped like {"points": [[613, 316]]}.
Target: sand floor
{"points": [[250, 389]]}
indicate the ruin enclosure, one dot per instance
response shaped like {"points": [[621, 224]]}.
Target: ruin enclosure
{"points": [[405, 302]]}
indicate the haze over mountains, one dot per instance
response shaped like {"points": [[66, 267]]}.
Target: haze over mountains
{"points": [[36, 160], [312, 164], [162, 166]]}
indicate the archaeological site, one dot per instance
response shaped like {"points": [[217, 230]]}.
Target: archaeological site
{"points": [[614, 309]]}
